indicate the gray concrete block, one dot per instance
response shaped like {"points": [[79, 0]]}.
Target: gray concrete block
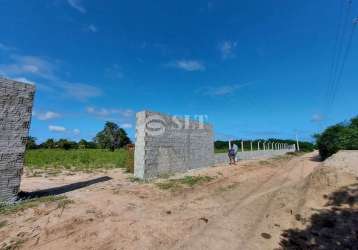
{"points": [[16, 101], [165, 144]]}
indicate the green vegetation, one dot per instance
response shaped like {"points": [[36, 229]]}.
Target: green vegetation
{"points": [[3, 223], [175, 184], [22, 205], [222, 146], [79, 159], [221, 150], [59, 144], [343, 136], [111, 137], [14, 244], [135, 179], [107, 150]]}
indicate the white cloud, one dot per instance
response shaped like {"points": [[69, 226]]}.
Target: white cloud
{"points": [[227, 49], [126, 125], [57, 129], [222, 90], [32, 65], [20, 67], [188, 65], [24, 80], [76, 131], [44, 116], [80, 91], [104, 112], [77, 5], [317, 118], [92, 28], [4, 47], [114, 72]]}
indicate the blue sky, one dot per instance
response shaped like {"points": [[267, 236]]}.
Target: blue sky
{"points": [[257, 69]]}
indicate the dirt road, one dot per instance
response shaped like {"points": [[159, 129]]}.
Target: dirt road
{"points": [[246, 206]]}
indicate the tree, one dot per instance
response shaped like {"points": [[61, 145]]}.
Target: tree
{"points": [[31, 143], [112, 137], [338, 137], [92, 144], [50, 143], [65, 144], [82, 144], [109, 137], [124, 139]]}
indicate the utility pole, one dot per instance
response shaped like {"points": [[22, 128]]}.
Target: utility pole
{"points": [[298, 145]]}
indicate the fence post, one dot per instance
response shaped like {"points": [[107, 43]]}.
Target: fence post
{"points": [[242, 146], [251, 145]]}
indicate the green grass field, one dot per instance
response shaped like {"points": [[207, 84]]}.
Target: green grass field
{"points": [[78, 159], [220, 150]]}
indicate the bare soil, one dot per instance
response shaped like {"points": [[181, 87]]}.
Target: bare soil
{"points": [[247, 206]]}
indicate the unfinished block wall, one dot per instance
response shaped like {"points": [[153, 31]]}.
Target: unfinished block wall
{"points": [[166, 144], [16, 100]]}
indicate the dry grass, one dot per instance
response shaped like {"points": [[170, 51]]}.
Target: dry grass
{"points": [[190, 181], [5, 209]]}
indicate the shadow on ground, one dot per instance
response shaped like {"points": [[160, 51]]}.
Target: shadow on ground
{"points": [[62, 189], [316, 158], [333, 228]]}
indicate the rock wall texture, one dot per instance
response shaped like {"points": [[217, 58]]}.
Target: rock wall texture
{"points": [[16, 100], [166, 144]]}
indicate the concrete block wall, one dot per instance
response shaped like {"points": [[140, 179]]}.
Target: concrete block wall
{"points": [[16, 100], [223, 158], [165, 144]]}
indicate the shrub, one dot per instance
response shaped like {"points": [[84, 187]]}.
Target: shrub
{"points": [[343, 136]]}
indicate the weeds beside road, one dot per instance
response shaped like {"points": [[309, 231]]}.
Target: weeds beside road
{"points": [[78, 159]]}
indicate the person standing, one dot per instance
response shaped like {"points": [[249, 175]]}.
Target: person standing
{"points": [[236, 150], [232, 154]]}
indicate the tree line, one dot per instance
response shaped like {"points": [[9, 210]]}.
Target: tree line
{"points": [[342, 136], [111, 137]]}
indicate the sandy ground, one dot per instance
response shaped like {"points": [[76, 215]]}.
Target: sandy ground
{"points": [[246, 206], [345, 161]]}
